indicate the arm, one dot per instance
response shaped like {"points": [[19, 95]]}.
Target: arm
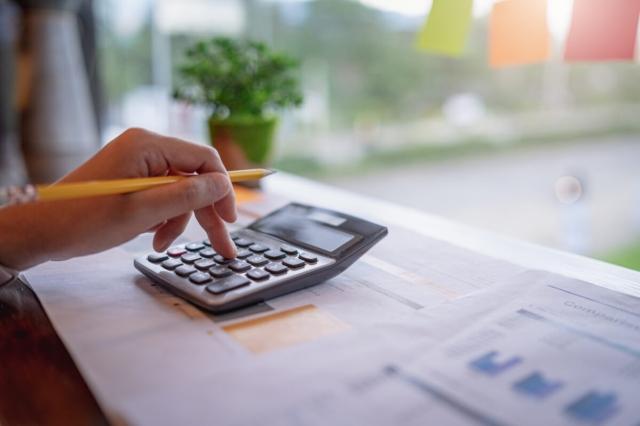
{"points": [[37, 232]]}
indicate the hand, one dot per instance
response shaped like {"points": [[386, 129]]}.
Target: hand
{"points": [[57, 230]]}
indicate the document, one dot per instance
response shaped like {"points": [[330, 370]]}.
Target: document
{"points": [[418, 329], [565, 352], [135, 342], [549, 350]]}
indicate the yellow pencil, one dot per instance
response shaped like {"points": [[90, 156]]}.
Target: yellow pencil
{"points": [[63, 191]]}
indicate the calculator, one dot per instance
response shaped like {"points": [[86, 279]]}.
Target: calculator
{"points": [[294, 247]]}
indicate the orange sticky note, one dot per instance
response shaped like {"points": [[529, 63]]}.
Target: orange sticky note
{"points": [[603, 30], [518, 33]]}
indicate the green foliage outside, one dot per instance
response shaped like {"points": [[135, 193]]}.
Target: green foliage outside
{"points": [[238, 78], [126, 63], [305, 165], [372, 70], [629, 257]]}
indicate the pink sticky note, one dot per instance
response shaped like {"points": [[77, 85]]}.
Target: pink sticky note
{"points": [[603, 30]]}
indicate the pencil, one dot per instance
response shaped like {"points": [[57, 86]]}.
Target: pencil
{"points": [[65, 191]]}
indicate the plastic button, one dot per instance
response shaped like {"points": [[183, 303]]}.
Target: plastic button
{"points": [[257, 274], [157, 257]]}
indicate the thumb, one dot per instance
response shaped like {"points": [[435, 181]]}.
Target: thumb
{"points": [[164, 202]]}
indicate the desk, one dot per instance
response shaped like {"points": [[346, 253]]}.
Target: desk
{"points": [[40, 380]]}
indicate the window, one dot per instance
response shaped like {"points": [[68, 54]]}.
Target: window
{"points": [[547, 152]]}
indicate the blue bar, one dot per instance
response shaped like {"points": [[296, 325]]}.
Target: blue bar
{"points": [[488, 365], [535, 385], [593, 407]]}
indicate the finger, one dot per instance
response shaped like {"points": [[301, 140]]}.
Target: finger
{"points": [[155, 205], [167, 233], [226, 207], [169, 153], [182, 156], [155, 227], [217, 232]]}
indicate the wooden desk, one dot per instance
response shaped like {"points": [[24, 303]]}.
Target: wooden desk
{"points": [[40, 383]]}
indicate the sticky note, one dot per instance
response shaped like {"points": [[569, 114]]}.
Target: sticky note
{"points": [[518, 33], [285, 328], [602, 30], [246, 195], [446, 28]]}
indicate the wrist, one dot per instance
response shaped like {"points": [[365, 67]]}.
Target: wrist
{"points": [[19, 247]]}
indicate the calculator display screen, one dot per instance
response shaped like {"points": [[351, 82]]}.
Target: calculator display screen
{"points": [[299, 229]]}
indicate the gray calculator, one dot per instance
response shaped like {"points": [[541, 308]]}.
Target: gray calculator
{"points": [[294, 247]]}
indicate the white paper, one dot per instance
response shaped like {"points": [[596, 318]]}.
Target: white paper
{"points": [[543, 349], [150, 357]]}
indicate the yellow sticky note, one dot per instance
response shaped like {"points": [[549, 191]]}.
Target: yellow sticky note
{"points": [[446, 28], [285, 328], [518, 33]]}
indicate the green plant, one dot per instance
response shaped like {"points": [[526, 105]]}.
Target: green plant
{"points": [[238, 78]]}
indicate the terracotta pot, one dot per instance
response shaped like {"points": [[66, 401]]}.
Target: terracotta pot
{"points": [[244, 143]]}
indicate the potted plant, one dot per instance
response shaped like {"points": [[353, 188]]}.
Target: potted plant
{"points": [[244, 83]]}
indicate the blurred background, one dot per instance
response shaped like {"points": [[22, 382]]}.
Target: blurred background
{"points": [[548, 152]]}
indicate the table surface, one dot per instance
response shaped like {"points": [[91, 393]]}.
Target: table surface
{"points": [[40, 383]]}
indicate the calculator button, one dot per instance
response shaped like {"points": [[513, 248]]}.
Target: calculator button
{"points": [[220, 272], [226, 284], [274, 255], [243, 253], [276, 268], [257, 274], [200, 278], [220, 259], [206, 243], [307, 257], [208, 252], [239, 266], [243, 242], [176, 251], [194, 246], [171, 264], [204, 264], [157, 257], [235, 237], [257, 260], [185, 270], [258, 248], [288, 249], [189, 257], [293, 262]]}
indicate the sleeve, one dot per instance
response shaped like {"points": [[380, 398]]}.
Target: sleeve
{"points": [[6, 275]]}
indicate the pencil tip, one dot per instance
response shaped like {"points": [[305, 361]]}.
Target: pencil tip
{"points": [[269, 172]]}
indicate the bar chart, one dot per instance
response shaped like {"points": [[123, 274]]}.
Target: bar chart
{"points": [[491, 365]]}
